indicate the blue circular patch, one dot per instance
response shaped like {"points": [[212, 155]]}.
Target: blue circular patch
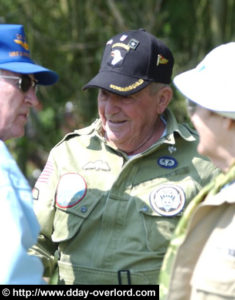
{"points": [[167, 162]]}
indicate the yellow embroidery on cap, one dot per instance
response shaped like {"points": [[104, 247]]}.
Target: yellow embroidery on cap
{"points": [[121, 45], [18, 53], [23, 44], [161, 60], [127, 88]]}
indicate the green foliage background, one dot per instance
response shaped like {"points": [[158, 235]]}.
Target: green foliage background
{"points": [[68, 36]]}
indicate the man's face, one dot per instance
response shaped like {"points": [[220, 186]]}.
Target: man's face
{"points": [[128, 121], [14, 106], [210, 127]]}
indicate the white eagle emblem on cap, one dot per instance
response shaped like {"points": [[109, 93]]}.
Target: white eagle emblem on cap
{"points": [[117, 57]]}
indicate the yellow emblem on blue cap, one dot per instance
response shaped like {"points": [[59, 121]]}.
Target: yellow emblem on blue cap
{"points": [[20, 40], [23, 44]]}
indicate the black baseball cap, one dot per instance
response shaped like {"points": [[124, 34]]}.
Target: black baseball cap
{"points": [[131, 61]]}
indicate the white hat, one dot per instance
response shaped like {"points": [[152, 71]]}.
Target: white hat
{"points": [[212, 83]]}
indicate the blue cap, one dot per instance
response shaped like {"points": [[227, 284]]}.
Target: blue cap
{"points": [[15, 55]]}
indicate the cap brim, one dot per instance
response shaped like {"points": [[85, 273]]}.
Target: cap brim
{"points": [[117, 83], [205, 88], [43, 75]]}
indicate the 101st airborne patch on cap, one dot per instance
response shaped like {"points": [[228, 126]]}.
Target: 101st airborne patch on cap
{"points": [[167, 200]]}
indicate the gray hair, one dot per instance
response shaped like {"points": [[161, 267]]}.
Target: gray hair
{"points": [[154, 87]]}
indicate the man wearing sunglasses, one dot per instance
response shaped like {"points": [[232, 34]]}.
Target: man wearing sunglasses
{"points": [[19, 76]]}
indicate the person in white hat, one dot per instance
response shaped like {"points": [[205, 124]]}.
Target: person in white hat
{"points": [[200, 261]]}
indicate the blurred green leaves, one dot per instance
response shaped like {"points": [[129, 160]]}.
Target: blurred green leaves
{"points": [[68, 36]]}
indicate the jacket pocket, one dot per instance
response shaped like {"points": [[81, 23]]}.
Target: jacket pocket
{"points": [[162, 206], [158, 229], [215, 274], [68, 221]]}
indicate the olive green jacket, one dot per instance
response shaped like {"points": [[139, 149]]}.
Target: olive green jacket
{"points": [[107, 219]]}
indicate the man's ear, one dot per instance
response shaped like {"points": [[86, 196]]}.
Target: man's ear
{"points": [[165, 95]]}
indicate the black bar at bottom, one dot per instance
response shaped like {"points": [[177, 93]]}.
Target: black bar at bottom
{"points": [[81, 291]]}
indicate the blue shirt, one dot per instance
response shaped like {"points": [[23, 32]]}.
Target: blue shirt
{"points": [[18, 225]]}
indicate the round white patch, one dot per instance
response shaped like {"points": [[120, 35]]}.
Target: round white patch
{"points": [[167, 200], [71, 189]]}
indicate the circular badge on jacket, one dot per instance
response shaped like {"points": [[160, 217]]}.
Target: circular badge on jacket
{"points": [[167, 162], [167, 200], [71, 190]]}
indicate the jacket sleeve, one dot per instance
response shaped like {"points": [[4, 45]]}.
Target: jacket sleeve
{"points": [[19, 226], [44, 205]]}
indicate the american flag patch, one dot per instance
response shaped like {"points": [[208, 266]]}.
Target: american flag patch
{"points": [[46, 172]]}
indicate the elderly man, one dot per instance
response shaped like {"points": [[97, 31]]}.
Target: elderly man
{"points": [[200, 262], [112, 193], [19, 76]]}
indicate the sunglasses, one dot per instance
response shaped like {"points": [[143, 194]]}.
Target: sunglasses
{"points": [[25, 82]]}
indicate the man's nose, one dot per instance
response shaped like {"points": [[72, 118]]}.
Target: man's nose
{"points": [[31, 97], [112, 105]]}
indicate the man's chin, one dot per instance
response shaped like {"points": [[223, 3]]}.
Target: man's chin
{"points": [[18, 134], [114, 139]]}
